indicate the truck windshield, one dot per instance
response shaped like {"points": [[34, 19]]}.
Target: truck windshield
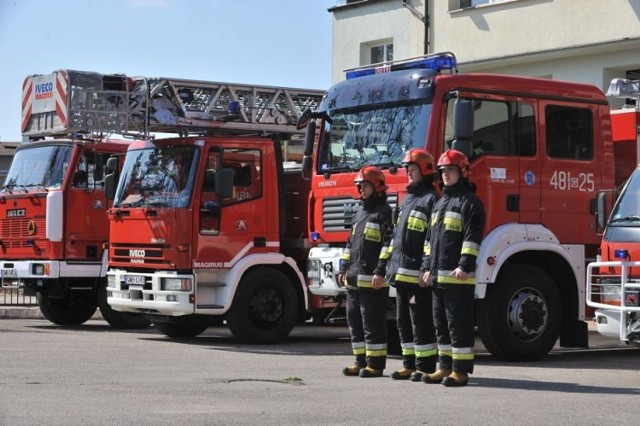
{"points": [[375, 136], [157, 177], [41, 167], [627, 209]]}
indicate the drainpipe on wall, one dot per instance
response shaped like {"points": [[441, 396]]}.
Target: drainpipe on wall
{"points": [[424, 18]]}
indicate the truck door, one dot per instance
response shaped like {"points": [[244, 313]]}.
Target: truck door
{"points": [[232, 227], [568, 178], [504, 166]]}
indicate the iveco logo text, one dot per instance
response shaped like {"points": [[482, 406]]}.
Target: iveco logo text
{"points": [[136, 253]]}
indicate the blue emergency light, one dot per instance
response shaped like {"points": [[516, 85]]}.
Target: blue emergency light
{"points": [[621, 254], [436, 62]]}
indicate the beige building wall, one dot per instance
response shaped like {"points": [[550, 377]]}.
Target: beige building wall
{"points": [[588, 41]]}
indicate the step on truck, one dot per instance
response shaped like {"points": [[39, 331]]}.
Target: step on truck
{"points": [[210, 224], [613, 281], [53, 221], [540, 150]]}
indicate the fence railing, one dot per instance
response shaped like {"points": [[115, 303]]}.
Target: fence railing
{"points": [[14, 296]]}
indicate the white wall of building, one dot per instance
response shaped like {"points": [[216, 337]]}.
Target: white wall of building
{"points": [[589, 41]]}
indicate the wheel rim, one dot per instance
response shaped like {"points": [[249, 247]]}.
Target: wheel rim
{"points": [[528, 314], [266, 305]]}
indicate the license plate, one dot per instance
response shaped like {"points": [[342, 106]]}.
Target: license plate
{"points": [[134, 279], [9, 273]]}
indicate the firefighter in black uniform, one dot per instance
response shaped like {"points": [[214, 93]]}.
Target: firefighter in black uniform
{"points": [[450, 262], [404, 254], [367, 298]]}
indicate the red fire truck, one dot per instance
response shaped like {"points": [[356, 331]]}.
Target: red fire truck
{"points": [[53, 223], [211, 225], [613, 282], [540, 150]]}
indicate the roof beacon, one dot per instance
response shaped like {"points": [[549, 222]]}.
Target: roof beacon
{"points": [[436, 61]]}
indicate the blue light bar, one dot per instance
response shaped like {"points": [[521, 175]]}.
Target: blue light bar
{"points": [[621, 254], [437, 62]]}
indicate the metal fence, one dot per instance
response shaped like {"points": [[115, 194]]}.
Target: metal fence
{"points": [[11, 295]]}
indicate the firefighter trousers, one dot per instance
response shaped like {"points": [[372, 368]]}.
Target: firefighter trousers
{"points": [[367, 319], [415, 327], [453, 319]]}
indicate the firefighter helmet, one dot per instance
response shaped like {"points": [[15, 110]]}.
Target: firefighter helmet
{"points": [[454, 157], [374, 176], [422, 159]]}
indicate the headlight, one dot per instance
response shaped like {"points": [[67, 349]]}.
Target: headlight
{"points": [[39, 269], [111, 281], [313, 272], [175, 284], [610, 294]]}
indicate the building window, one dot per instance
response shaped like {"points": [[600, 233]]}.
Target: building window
{"points": [[464, 4], [381, 53]]}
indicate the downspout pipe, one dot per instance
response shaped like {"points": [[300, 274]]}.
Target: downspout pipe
{"points": [[424, 18]]}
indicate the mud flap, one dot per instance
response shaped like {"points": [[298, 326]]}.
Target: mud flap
{"points": [[575, 335]]}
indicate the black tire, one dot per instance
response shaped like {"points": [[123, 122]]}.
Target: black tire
{"points": [[264, 309], [520, 318], [65, 312], [175, 330], [119, 320]]}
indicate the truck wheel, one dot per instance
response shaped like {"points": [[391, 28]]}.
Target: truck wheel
{"points": [[119, 320], [63, 311], [264, 309], [175, 330], [520, 318]]}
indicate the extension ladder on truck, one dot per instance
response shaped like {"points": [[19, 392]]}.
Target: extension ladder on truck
{"points": [[67, 102]]}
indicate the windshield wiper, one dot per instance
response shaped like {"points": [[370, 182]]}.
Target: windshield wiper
{"points": [[626, 219]]}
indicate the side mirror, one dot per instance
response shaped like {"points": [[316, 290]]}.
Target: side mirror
{"points": [[463, 127], [304, 119], [112, 164], [224, 182], [601, 211], [309, 139], [110, 186]]}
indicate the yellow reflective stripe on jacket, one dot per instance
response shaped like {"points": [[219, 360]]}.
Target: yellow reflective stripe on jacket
{"points": [[372, 232], [471, 248], [453, 221], [346, 255], [427, 249], [417, 221], [385, 253], [445, 277], [423, 351], [463, 354], [364, 281], [408, 275]]}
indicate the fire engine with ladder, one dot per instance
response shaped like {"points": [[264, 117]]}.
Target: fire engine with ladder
{"points": [[211, 224], [53, 223]]}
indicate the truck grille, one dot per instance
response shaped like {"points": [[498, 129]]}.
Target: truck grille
{"points": [[337, 212], [16, 233]]}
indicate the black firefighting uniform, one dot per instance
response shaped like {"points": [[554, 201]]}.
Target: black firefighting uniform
{"points": [[457, 224], [404, 252], [367, 307]]}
